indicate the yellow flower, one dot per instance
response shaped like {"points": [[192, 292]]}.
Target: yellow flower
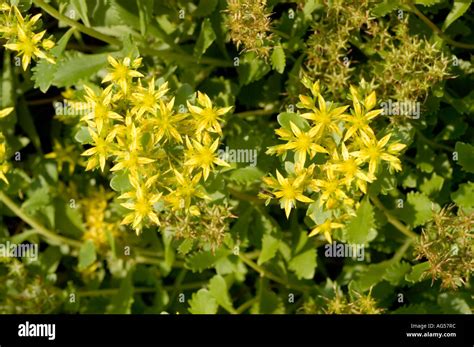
{"points": [[373, 152], [325, 118], [122, 72], [141, 202], [349, 167], [331, 192], [165, 123], [359, 120], [208, 117], [94, 209], [101, 106], [186, 189], [64, 155], [303, 143], [203, 157], [27, 47], [101, 149], [6, 111], [326, 229], [288, 190], [146, 100], [4, 166]]}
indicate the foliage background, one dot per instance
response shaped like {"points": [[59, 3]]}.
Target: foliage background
{"points": [[277, 268]]}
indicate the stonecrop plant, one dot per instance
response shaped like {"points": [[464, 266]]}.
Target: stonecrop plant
{"points": [[333, 154], [161, 156], [236, 156]]}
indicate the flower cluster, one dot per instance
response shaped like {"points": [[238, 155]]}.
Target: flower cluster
{"points": [[160, 156], [4, 166], [335, 155], [249, 24], [446, 243], [21, 36], [206, 231], [397, 64], [24, 291], [99, 227], [340, 303]]}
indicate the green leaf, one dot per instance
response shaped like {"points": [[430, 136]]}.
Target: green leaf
{"points": [[269, 248], [81, 8], [268, 302], [184, 93], [77, 67], [396, 272], [427, 2], [417, 272], [44, 72], [251, 68], [417, 209], [145, 11], [121, 302], [285, 118], [304, 264], [25, 120], [68, 219], [83, 135], [87, 255], [385, 7], [464, 196], [8, 90], [465, 156], [203, 302], [309, 7], [206, 38], [453, 304], [185, 246], [317, 213], [205, 8], [50, 259], [371, 275], [278, 59], [120, 182], [201, 261], [459, 8], [37, 200], [218, 289], [433, 185], [358, 229], [246, 175]]}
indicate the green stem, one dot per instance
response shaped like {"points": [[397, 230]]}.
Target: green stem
{"points": [[112, 291], [82, 28], [165, 54], [245, 306], [40, 229], [433, 143], [184, 58], [269, 275], [437, 30], [392, 219], [243, 196], [177, 285], [143, 259], [56, 239], [401, 251]]}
